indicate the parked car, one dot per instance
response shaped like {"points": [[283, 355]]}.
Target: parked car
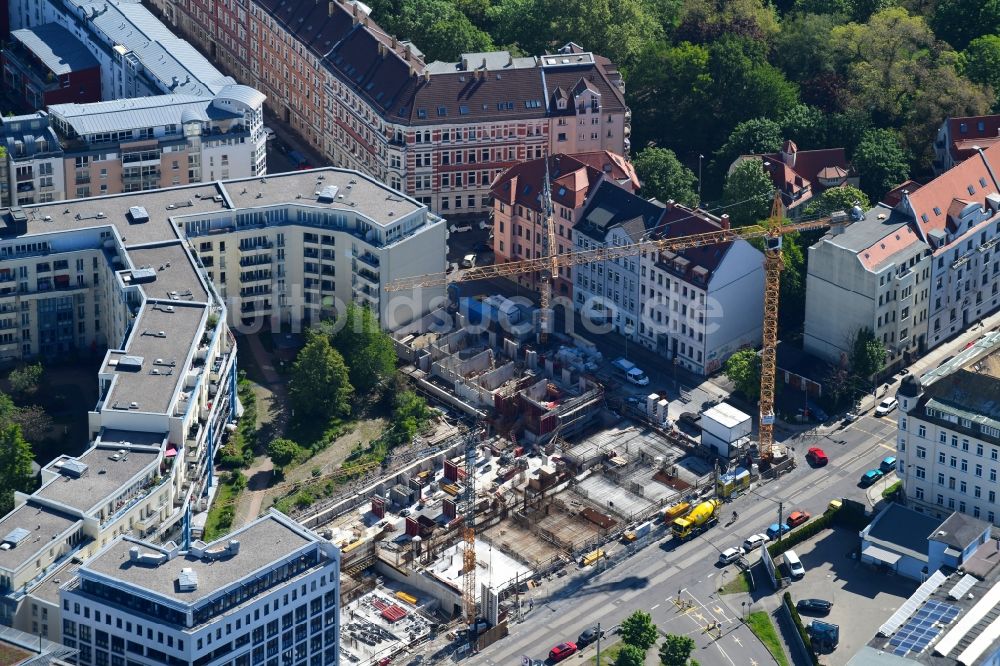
{"points": [[690, 418], [269, 133], [468, 261], [730, 555], [870, 477], [753, 542], [796, 518], [587, 636], [775, 529], [852, 416], [818, 413], [887, 465], [815, 606], [886, 406], [795, 567], [816, 457], [404, 513], [561, 651]]}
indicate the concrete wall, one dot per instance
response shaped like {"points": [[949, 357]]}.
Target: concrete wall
{"points": [[737, 291], [839, 301]]}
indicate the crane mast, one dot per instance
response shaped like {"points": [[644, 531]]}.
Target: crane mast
{"points": [[469, 533], [773, 264], [549, 252]]}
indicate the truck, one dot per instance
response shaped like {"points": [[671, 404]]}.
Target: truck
{"points": [[591, 557], [639, 532], [632, 372], [825, 635], [675, 511], [701, 518]]}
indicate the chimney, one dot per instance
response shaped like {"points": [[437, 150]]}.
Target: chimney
{"points": [[406, 52], [394, 42], [484, 63], [329, 8], [725, 221], [427, 75], [355, 20], [510, 60], [366, 19]]}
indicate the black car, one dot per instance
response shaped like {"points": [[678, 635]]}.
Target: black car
{"points": [[816, 606], [587, 637]]}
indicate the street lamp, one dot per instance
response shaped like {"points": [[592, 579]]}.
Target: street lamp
{"points": [[700, 158]]}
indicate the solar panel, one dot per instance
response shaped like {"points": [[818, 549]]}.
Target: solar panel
{"points": [[923, 627], [910, 605], [962, 586]]}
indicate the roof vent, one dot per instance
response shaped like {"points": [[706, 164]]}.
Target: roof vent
{"points": [[15, 537], [187, 581], [73, 468], [130, 363], [138, 214], [328, 194]]}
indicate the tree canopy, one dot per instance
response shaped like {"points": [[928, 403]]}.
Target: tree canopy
{"points": [[880, 162], [15, 465], [638, 630], [630, 655], [748, 193], [664, 177], [835, 199], [26, 380], [283, 452], [369, 351], [743, 370], [676, 650], [867, 356], [320, 385]]}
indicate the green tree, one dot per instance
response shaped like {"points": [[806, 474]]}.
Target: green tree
{"points": [[750, 137], [748, 193], [663, 176], [805, 125], [15, 466], [867, 357], [283, 452], [638, 630], [320, 385], [706, 20], [793, 284], [630, 655], [958, 22], [803, 49], [676, 650], [409, 415], [981, 63], [440, 30], [743, 370], [26, 380], [359, 337], [35, 422], [837, 198], [880, 162]]}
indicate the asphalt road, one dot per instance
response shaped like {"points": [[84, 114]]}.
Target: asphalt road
{"points": [[651, 578]]}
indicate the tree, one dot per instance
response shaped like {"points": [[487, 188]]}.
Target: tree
{"points": [[743, 370], [283, 452], [958, 22], [837, 198], [26, 380], [320, 385], [748, 193], [676, 650], [440, 30], [630, 655], [750, 137], [638, 630], [664, 177], [34, 421], [867, 356], [804, 51], [359, 337], [805, 125], [705, 21], [793, 284], [15, 466], [981, 63], [409, 415], [880, 162]]}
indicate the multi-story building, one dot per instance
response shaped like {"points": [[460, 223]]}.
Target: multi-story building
{"points": [[958, 139], [441, 132], [949, 434], [156, 278], [47, 64], [152, 142], [31, 171], [270, 590], [916, 273]]}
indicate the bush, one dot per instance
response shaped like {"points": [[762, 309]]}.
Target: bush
{"points": [[892, 490], [802, 533], [797, 620]]}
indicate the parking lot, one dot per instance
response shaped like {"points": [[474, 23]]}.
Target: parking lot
{"points": [[863, 598]]}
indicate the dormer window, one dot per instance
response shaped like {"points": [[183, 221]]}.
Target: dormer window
{"points": [[595, 105], [561, 105]]}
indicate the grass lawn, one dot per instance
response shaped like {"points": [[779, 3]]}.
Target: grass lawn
{"points": [[762, 627], [220, 516], [608, 654], [740, 583]]}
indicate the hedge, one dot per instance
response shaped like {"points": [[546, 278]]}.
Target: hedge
{"points": [[892, 490], [797, 620], [845, 516]]}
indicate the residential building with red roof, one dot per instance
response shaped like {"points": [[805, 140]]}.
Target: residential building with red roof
{"points": [[958, 138], [801, 175], [915, 273], [440, 131]]}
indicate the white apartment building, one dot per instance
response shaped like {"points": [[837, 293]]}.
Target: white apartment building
{"points": [[31, 171], [949, 434], [140, 275], [268, 593]]}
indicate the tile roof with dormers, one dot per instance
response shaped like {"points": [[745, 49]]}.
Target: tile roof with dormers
{"points": [[982, 131], [572, 182]]}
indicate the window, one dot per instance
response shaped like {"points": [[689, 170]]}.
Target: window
{"points": [[920, 473], [979, 470], [941, 457], [979, 450], [922, 431], [921, 452]]}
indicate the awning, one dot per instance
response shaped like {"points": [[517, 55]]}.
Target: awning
{"points": [[171, 452], [881, 554]]}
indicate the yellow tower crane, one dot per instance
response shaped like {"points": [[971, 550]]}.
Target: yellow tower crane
{"points": [[771, 232]]}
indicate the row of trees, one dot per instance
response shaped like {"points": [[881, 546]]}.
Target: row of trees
{"points": [[639, 634]]}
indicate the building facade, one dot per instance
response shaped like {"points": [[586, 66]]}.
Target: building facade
{"points": [[270, 590], [31, 171], [949, 434], [441, 132], [958, 139]]}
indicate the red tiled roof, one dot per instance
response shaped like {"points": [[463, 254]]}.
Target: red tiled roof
{"points": [[613, 164], [523, 183], [966, 148], [895, 195], [887, 246], [991, 129], [805, 173]]}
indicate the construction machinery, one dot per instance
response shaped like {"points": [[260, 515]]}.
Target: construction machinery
{"points": [[771, 232], [701, 518], [469, 532]]}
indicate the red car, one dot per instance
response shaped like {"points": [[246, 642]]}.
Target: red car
{"points": [[797, 518], [816, 457], [561, 651]]}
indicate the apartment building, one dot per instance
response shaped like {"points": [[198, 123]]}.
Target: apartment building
{"points": [[152, 142], [144, 276], [915, 273], [31, 171], [47, 64], [958, 139], [949, 434], [441, 132], [268, 592]]}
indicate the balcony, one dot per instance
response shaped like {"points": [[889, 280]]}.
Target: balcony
{"points": [[367, 258], [256, 247], [367, 278]]}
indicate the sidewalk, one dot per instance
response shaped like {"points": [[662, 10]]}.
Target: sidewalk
{"points": [[785, 628]]}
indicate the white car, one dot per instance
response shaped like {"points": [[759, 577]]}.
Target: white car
{"points": [[730, 555], [886, 406], [269, 133], [753, 542]]}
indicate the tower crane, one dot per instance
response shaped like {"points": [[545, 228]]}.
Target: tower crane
{"points": [[469, 532], [771, 232]]}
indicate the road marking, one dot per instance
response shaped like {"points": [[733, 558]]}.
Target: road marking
{"points": [[655, 607], [738, 641]]}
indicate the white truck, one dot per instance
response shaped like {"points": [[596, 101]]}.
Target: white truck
{"points": [[632, 372]]}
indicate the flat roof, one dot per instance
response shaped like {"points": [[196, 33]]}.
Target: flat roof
{"points": [[102, 479], [176, 276], [263, 542], [43, 524], [56, 47], [726, 415], [156, 335], [48, 589]]}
